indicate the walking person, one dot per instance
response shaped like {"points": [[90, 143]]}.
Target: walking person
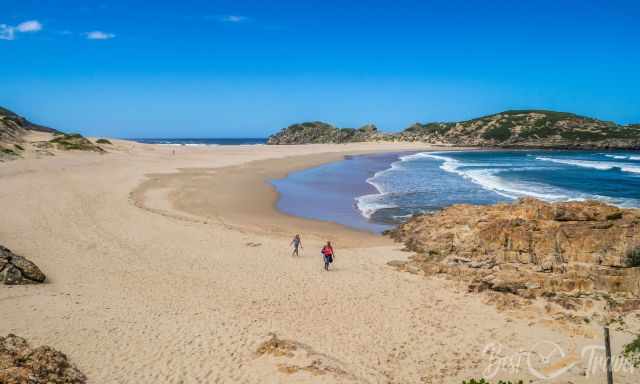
{"points": [[328, 255], [296, 243]]}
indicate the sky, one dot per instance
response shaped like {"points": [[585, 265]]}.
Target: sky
{"points": [[249, 68]]}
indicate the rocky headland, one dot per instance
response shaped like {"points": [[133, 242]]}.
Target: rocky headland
{"points": [[508, 129], [318, 132], [531, 249]]}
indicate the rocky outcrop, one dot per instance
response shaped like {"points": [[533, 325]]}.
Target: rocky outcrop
{"points": [[16, 269], [21, 364], [508, 129], [530, 248], [322, 133]]}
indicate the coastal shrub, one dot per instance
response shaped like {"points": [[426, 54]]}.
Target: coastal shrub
{"points": [[8, 151], [582, 135], [633, 257], [540, 129], [631, 352], [74, 141], [103, 141], [628, 132], [499, 133], [483, 381], [429, 128]]}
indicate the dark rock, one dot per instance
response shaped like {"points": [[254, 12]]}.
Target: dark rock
{"points": [[15, 269]]}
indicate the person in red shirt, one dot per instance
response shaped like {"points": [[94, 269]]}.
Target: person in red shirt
{"points": [[328, 255]]}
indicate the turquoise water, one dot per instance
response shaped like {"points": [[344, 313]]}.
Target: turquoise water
{"points": [[376, 192]]}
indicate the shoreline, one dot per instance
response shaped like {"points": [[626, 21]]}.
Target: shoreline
{"points": [[262, 214]]}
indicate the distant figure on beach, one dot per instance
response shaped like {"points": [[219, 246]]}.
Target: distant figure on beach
{"points": [[297, 243], [328, 255]]}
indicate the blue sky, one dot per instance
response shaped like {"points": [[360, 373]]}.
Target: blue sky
{"points": [[248, 68]]}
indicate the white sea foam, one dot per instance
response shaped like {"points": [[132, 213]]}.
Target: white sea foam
{"points": [[600, 165], [618, 157], [370, 204], [488, 177]]}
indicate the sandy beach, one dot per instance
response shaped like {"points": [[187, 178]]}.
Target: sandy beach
{"points": [[176, 268]]}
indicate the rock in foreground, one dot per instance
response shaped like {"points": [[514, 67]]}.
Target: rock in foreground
{"points": [[20, 364], [16, 269], [530, 248]]}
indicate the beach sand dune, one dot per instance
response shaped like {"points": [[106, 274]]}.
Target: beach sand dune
{"points": [[176, 269]]}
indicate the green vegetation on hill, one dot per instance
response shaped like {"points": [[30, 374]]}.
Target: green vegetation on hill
{"points": [[320, 132], [74, 141], [498, 133], [528, 128], [531, 128]]}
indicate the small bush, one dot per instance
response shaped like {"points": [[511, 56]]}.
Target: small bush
{"points": [[633, 257], [74, 141], [103, 141], [632, 352]]}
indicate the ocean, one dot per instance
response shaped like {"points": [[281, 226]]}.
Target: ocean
{"points": [[202, 142], [377, 192]]}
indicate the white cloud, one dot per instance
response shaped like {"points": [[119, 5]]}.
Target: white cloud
{"points": [[99, 35], [29, 26], [233, 19], [8, 32]]}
